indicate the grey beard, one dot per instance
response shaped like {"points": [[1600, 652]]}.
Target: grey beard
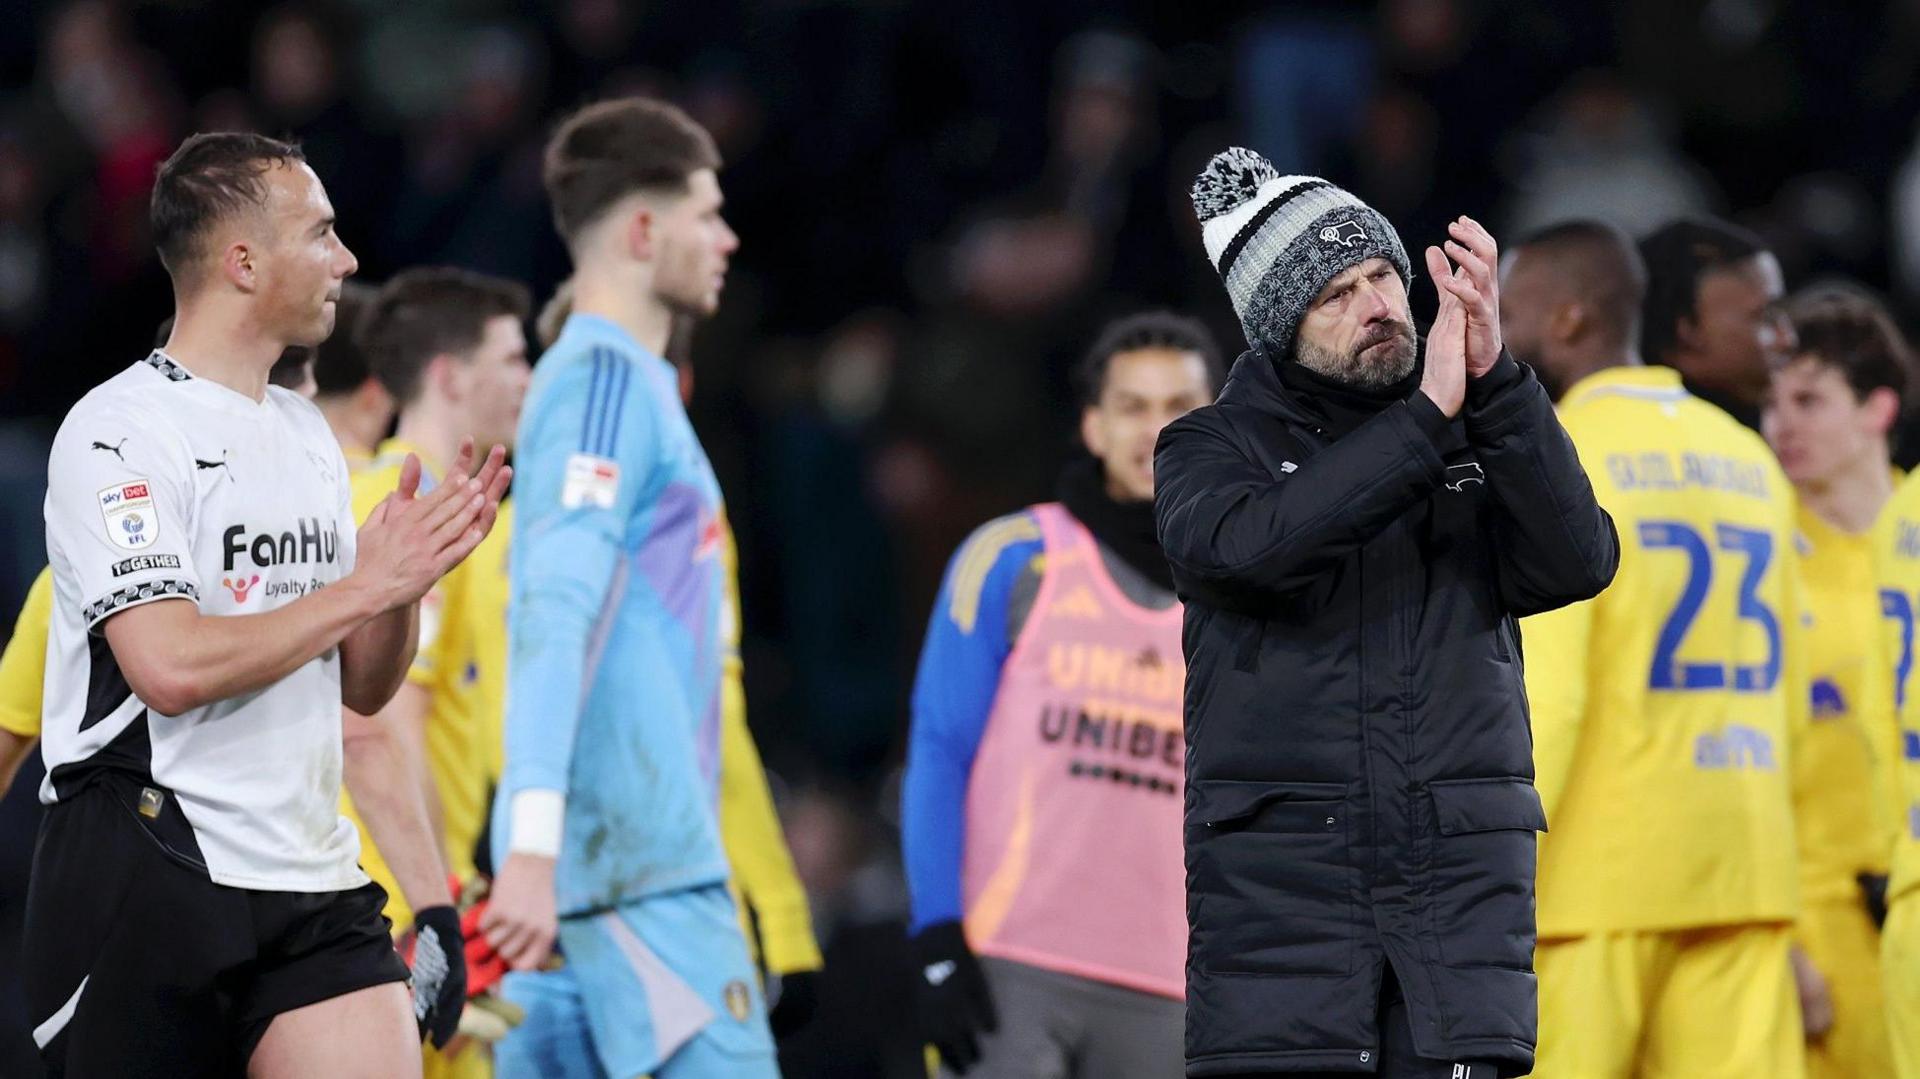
{"points": [[1354, 371]]}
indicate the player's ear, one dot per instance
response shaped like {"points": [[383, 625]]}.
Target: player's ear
{"points": [[640, 231], [1568, 321], [1686, 333], [444, 373], [239, 266], [1882, 408], [1091, 434], [372, 396]]}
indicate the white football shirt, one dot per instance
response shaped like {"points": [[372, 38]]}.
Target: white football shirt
{"points": [[163, 486]]}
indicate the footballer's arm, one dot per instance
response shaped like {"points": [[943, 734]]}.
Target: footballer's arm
{"points": [[374, 658], [13, 753], [380, 780], [176, 659], [404, 721]]}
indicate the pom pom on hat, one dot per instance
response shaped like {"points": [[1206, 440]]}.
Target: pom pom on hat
{"points": [[1230, 180]]}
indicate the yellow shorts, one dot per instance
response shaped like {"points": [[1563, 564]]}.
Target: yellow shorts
{"points": [[1900, 975], [1715, 1003], [1839, 937]]}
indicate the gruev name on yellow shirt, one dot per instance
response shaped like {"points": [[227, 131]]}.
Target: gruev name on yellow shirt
{"points": [[1659, 470], [1664, 710]]}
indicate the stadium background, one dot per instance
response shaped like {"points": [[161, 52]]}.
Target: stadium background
{"points": [[938, 202]]}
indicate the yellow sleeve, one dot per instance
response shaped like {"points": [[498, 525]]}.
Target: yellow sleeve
{"points": [[369, 485], [24, 665], [1879, 715], [772, 898], [1881, 722], [756, 848], [1555, 646], [1796, 676], [1795, 667]]}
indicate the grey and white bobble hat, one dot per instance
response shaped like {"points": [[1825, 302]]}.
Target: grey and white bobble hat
{"points": [[1277, 240]]}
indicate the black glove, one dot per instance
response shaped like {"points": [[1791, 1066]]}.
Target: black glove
{"points": [[439, 965], [795, 996], [1873, 891], [954, 1002]]}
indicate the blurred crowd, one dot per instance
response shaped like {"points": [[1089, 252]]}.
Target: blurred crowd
{"points": [[938, 203]]}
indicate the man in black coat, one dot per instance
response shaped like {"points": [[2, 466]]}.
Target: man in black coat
{"points": [[1354, 528]]}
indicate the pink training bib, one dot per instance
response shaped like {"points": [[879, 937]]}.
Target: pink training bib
{"points": [[1073, 859]]}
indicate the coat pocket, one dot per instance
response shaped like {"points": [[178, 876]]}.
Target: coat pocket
{"points": [[1481, 872], [1270, 883]]}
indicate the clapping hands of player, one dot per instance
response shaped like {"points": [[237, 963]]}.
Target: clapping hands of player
{"points": [[1465, 338], [411, 540]]}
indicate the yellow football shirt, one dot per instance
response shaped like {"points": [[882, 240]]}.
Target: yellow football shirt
{"points": [[465, 670], [448, 665], [763, 873], [1843, 813], [1663, 709], [485, 685], [1896, 551], [23, 668]]}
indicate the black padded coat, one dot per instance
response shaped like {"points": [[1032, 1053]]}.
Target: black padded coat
{"points": [[1359, 763]]}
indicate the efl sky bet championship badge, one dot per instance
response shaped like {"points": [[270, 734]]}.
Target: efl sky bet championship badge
{"points": [[591, 481], [128, 510]]}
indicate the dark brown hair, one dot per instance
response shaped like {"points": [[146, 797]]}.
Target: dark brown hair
{"points": [[1847, 328], [210, 176], [608, 150], [427, 312]]}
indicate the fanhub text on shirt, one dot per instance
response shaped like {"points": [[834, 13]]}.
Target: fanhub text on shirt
{"points": [[310, 542]]}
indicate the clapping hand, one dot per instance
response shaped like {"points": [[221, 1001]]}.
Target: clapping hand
{"points": [[1474, 283], [411, 540]]}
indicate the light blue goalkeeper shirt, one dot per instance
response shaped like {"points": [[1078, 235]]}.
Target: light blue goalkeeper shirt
{"points": [[613, 679]]}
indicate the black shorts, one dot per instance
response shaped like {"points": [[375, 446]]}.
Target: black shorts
{"points": [[138, 964]]}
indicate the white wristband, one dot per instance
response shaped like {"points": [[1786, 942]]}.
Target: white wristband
{"points": [[535, 819]]}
